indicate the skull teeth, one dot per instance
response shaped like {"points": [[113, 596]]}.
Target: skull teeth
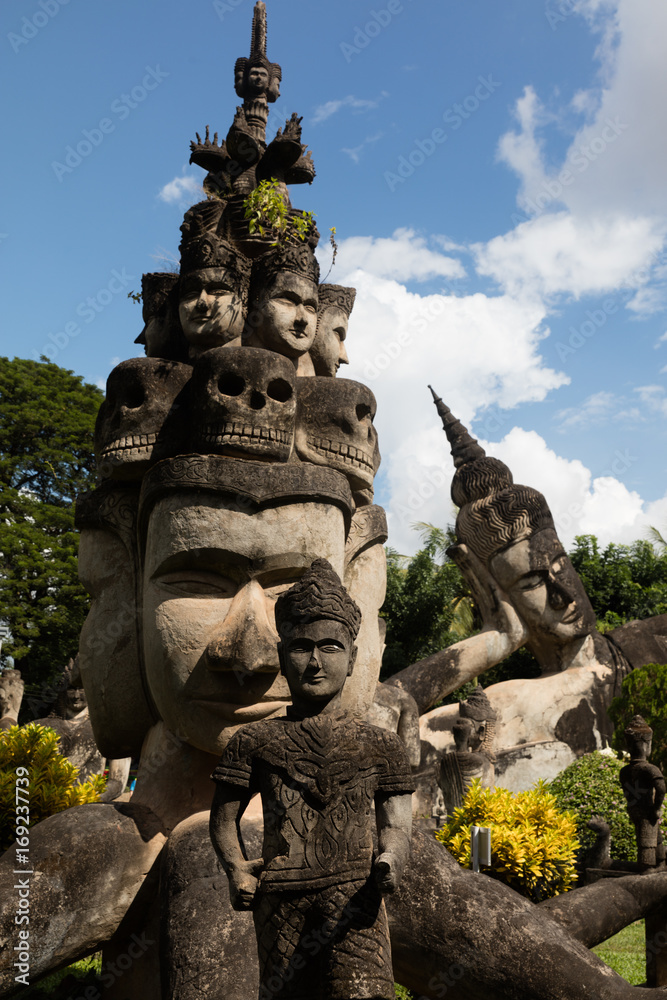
{"points": [[350, 455], [137, 444], [244, 433]]}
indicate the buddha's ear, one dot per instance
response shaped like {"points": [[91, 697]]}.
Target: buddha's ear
{"points": [[353, 659]]}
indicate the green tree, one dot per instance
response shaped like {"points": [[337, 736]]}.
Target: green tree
{"points": [[622, 581], [47, 418], [644, 692]]}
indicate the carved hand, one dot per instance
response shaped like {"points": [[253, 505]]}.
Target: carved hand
{"points": [[387, 871], [243, 883], [495, 607]]}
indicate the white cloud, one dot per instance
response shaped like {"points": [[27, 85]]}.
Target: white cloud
{"points": [[594, 410], [404, 256], [359, 105], [181, 189], [654, 397], [356, 151]]}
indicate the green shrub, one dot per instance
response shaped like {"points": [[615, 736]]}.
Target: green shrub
{"points": [[533, 843], [644, 692], [590, 787], [52, 779]]}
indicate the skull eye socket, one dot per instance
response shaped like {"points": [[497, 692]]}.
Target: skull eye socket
{"points": [[363, 411], [280, 390], [133, 397], [230, 384]]}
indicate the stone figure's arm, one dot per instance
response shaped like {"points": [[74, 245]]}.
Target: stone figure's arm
{"points": [[431, 679], [229, 804], [659, 796], [393, 814]]}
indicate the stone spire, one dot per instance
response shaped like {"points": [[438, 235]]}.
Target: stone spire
{"points": [[464, 447]]}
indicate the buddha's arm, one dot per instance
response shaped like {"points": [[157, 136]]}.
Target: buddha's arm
{"points": [[393, 815], [431, 679], [229, 804]]}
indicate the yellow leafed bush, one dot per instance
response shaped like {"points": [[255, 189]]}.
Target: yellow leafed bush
{"points": [[533, 843], [51, 778]]}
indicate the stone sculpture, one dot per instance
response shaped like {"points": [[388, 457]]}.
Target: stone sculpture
{"points": [[473, 758], [185, 546], [11, 696], [328, 351], [319, 773], [510, 553], [643, 785], [213, 291]]}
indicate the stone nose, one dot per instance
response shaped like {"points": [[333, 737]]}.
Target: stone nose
{"points": [[247, 639], [559, 594]]}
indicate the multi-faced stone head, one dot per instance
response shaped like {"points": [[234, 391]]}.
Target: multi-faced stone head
{"points": [[162, 335], [213, 293], [244, 403], [282, 316], [141, 419], [328, 352], [335, 428]]}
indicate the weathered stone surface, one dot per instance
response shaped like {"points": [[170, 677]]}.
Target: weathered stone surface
{"points": [[396, 711], [519, 768], [282, 315], [77, 742], [11, 696], [89, 863], [328, 350], [244, 403], [138, 423]]}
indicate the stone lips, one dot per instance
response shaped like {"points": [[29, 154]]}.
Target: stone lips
{"points": [[335, 427], [244, 403], [253, 485], [138, 423]]}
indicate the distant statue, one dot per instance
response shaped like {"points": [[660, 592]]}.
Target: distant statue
{"points": [[473, 758], [598, 854], [316, 893], [644, 788], [11, 696], [328, 352]]}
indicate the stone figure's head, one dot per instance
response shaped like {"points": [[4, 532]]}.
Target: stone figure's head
{"points": [[510, 528], [463, 732], [328, 351], [223, 539], [11, 692], [256, 77], [639, 738], [318, 624], [213, 292], [282, 314], [476, 710], [162, 336]]}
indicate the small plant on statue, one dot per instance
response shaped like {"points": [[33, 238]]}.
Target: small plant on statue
{"points": [[266, 210], [533, 843], [52, 780]]}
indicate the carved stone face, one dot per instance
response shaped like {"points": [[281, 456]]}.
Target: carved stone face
{"points": [[284, 318], [137, 422], [213, 572], [545, 588], [328, 351], [11, 692], [211, 310], [317, 658], [258, 79], [244, 403], [335, 428]]}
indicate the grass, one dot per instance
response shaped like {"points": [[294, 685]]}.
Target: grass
{"points": [[625, 953], [402, 993]]}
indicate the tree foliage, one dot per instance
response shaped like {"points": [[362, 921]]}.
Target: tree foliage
{"points": [[47, 418], [644, 692], [622, 581]]}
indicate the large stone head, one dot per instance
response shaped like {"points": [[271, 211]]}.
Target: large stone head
{"points": [[223, 539], [110, 659], [510, 528], [328, 352], [282, 315], [213, 292]]}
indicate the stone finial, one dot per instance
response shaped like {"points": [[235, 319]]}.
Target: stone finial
{"points": [[464, 447]]}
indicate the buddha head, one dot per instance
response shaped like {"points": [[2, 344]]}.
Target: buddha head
{"points": [[328, 351], [282, 314], [213, 293]]}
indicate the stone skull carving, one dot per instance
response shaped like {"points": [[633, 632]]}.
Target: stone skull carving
{"points": [[335, 428], [138, 423], [244, 403]]}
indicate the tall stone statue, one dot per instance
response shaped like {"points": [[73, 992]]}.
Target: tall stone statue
{"points": [[319, 773], [474, 733], [643, 785]]}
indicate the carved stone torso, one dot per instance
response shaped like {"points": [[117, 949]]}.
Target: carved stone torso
{"points": [[318, 779]]}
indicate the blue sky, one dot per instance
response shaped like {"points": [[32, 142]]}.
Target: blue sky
{"points": [[495, 173]]}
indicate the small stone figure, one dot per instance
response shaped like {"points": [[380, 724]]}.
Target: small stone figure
{"points": [[11, 696], [317, 891], [328, 352], [473, 758], [644, 789]]}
